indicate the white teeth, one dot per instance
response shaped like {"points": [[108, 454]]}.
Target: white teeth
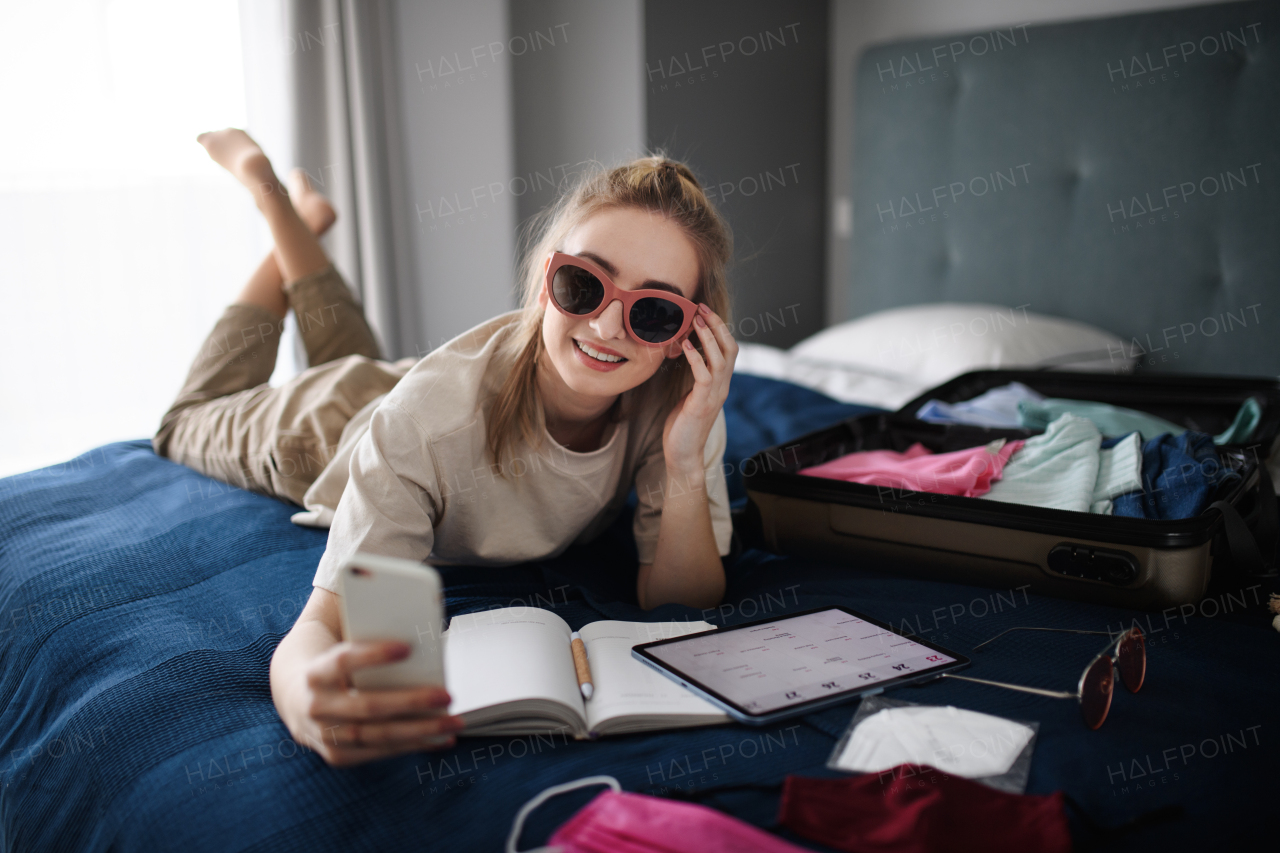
{"points": [[597, 355]]}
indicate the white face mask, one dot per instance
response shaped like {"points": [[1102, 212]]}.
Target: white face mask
{"points": [[962, 743]]}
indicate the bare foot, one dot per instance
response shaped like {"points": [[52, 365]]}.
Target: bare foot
{"points": [[312, 206], [235, 151]]}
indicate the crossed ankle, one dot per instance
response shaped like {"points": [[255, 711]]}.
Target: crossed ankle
{"points": [[320, 276]]}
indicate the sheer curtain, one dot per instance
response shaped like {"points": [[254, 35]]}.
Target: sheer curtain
{"points": [[121, 240], [343, 112]]}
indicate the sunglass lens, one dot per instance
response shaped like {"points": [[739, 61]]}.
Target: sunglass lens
{"points": [[1095, 692], [576, 290], [656, 320], [1132, 660]]}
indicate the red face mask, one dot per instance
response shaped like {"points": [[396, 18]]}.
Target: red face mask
{"points": [[914, 809]]}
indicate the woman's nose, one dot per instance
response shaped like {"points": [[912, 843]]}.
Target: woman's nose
{"points": [[608, 323]]}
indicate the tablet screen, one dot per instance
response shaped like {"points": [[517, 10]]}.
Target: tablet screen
{"points": [[768, 666]]}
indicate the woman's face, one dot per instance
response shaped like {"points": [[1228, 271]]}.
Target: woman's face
{"points": [[637, 249]]}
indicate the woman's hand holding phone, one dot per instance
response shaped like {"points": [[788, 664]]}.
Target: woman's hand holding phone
{"points": [[347, 726], [313, 675]]}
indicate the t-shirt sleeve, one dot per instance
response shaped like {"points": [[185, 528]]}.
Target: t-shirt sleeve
{"points": [[392, 499], [651, 477]]}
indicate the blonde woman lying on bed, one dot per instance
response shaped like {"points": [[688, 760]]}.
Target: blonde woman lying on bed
{"points": [[505, 445]]}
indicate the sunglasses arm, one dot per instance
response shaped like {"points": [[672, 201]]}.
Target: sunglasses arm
{"points": [[1052, 694], [1024, 628]]}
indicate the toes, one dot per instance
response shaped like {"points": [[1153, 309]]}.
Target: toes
{"points": [[299, 182]]}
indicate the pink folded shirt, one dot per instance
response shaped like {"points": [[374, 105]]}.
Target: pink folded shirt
{"points": [[968, 473]]}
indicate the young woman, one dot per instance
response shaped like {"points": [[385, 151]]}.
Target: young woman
{"points": [[504, 445]]}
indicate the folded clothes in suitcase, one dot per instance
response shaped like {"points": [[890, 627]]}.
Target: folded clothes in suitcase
{"points": [[1142, 563]]}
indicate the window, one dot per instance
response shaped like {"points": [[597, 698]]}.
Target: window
{"points": [[121, 241]]}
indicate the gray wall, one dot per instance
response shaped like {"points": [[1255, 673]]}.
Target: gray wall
{"points": [[503, 100], [737, 89], [455, 115], [582, 101], [499, 101], [855, 24], [491, 111]]}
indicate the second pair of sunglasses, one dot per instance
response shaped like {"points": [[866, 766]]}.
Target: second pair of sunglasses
{"points": [[1126, 653], [579, 288]]}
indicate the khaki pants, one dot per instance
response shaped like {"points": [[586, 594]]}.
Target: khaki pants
{"points": [[228, 423]]}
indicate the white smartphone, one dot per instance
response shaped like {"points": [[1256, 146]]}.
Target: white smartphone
{"points": [[388, 598]]}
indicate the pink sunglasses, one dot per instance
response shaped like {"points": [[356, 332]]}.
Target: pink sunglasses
{"points": [[579, 288]]}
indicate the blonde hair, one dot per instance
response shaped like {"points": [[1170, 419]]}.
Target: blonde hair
{"points": [[656, 184]]}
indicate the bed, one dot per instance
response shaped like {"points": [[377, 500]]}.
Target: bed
{"points": [[140, 602]]}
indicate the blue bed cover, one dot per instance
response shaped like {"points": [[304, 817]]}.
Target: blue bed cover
{"points": [[142, 602]]}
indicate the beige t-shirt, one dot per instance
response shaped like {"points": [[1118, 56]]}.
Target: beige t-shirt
{"points": [[412, 476]]}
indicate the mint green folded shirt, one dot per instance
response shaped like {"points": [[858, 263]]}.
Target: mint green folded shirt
{"points": [[1241, 429], [1065, 468], [1116, 420]]}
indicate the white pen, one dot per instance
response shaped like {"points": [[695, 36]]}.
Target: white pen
{"points": [[580, 665]]}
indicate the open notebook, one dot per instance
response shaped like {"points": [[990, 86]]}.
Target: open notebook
{"points": [[510, 672]]}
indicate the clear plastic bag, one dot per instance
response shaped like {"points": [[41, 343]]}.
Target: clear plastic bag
{"points": [[1013, 781]]}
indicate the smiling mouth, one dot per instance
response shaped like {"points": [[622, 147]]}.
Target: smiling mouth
{"points": [[596, 354]]}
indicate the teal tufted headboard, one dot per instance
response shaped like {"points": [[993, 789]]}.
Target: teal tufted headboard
{"points": [[1124, 172]]}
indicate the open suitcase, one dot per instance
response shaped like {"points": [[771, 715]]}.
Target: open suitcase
{"points": [[1127, 562]]}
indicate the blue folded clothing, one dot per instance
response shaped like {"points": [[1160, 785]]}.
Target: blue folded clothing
{"points": [[1180, 475]]}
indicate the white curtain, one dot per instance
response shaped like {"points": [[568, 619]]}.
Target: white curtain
{"points": [[122, 241]]}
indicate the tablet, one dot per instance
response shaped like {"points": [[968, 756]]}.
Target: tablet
{"points": [[775, 668]]}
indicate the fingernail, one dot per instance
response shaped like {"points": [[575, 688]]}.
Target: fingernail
{"points": [[400, 652], [685, 343], [704, 308], [702, 323]]}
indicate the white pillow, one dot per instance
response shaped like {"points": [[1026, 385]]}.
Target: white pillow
{"points": [[935, 342], [840, 382]]}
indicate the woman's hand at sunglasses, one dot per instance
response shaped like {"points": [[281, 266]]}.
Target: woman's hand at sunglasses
{"points": [[684, 436]]}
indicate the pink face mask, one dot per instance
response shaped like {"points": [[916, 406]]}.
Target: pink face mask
{"points": [[621, 822]]}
